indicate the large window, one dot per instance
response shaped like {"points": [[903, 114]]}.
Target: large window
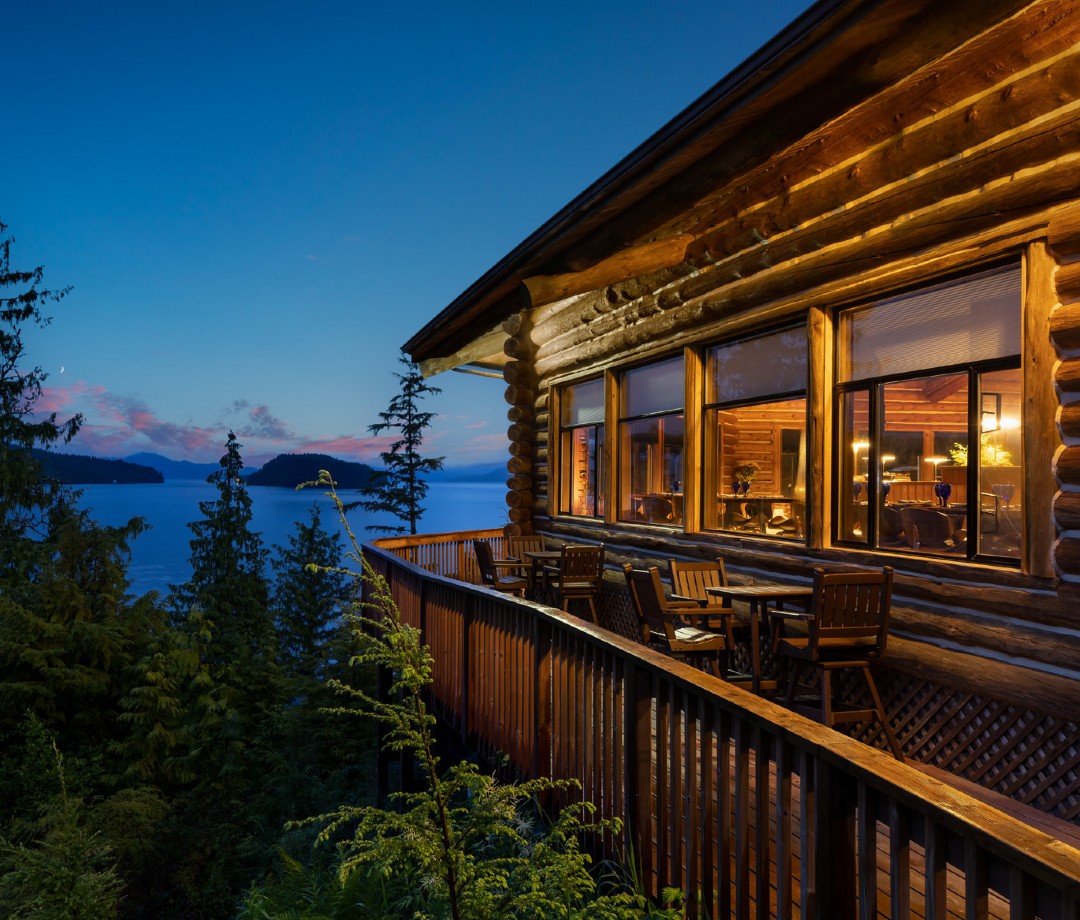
{"points": [[651, 443], [755, 435], [581, 433], [929, 420]]}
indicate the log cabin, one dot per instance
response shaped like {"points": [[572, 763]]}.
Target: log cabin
{"points": [[829, 315]]}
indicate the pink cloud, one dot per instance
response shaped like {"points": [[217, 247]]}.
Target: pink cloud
{"points": [[362, 450], [116, 426]]}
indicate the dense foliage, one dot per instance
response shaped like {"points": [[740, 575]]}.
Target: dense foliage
{"points": [[151, 748], [159, 755]]}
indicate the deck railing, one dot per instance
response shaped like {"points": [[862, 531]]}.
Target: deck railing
{"points": [[747, 807]]}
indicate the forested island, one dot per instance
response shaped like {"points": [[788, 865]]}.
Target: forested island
{"points": [[290, 470], [77, 469]]}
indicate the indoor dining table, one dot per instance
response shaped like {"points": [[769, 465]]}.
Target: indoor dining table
{"points": [[759, 597]]}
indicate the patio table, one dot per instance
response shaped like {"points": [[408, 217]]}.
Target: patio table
{"points": [[537, 559], [759, 597]]}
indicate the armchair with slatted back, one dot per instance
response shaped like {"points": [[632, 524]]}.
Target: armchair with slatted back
{"points": [[847, 628], [689, 581], [579, 576], [663, 622], [491, 577], [516, 548]]}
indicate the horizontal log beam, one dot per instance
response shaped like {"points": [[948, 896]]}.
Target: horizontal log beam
{"points": [[845, 237], [1067, 467], [1068, 375], [1067, 282], [1069, 420], [1065, 326], [626, 264], [1063, 233], [487, 349], [1067, 510], [861, 266]]}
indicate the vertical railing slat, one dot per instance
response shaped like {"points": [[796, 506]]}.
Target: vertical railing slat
{"points": [[708, 784]]}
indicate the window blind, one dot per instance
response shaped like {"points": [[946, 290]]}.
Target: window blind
{"points": [[967, 320]]}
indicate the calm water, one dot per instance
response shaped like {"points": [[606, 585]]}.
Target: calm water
{"points": [[160, 556]]}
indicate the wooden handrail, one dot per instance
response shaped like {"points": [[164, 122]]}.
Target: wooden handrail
{"points": [[749, 808]]}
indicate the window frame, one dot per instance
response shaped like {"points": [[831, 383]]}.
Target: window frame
{"points": [[708, 441], [621, 462], [600, 440], [875, 387]]}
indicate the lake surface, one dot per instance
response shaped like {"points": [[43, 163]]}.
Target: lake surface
{"points": [[160, 556]]}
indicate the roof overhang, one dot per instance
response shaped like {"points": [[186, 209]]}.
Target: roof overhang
{"points": [[835, 55]]}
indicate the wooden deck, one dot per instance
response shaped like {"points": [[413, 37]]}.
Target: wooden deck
{"points": [[724, 795]]}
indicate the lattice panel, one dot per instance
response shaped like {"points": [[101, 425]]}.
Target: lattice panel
{"points": [[1030, 756]]}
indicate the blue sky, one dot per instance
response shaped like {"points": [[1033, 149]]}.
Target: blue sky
{"points": [[256, 204]]}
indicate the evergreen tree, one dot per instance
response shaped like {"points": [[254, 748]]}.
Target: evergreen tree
{"points": [[401, 488], [25, 496], [65, 871], [308, 596], [309, 600], [225, 612], [69, 633]]}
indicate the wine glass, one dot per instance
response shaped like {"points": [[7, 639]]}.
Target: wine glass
{"points": [[856, 487], [1004, 491], [946, 491], [885, 486]]}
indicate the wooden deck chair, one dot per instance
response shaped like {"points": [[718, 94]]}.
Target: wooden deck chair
{"points": [[517, 547], [688, 583], [579, 577], [489, 571], [847, 629], [662, 622]]}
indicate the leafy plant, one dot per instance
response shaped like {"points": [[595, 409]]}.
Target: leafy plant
{"points": [[461, 845], [747, 470], [990, 454]]}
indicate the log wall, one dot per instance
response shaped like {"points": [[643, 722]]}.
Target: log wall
{"points": [[968, 160]]}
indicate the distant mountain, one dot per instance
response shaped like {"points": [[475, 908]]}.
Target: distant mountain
{"points": [[477, 472], [289, 470], [78, 470], [174, 469]]}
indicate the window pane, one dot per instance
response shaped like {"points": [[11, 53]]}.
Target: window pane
{"points": [[922, 499], [654, 388], [650, 456], [581, 485], [976, 318], [1000, 495], [757, 367], [583, 404], [764, 447], [852, 495]]}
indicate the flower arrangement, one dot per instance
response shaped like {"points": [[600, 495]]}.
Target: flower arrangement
{"points": [[746, 470]]}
